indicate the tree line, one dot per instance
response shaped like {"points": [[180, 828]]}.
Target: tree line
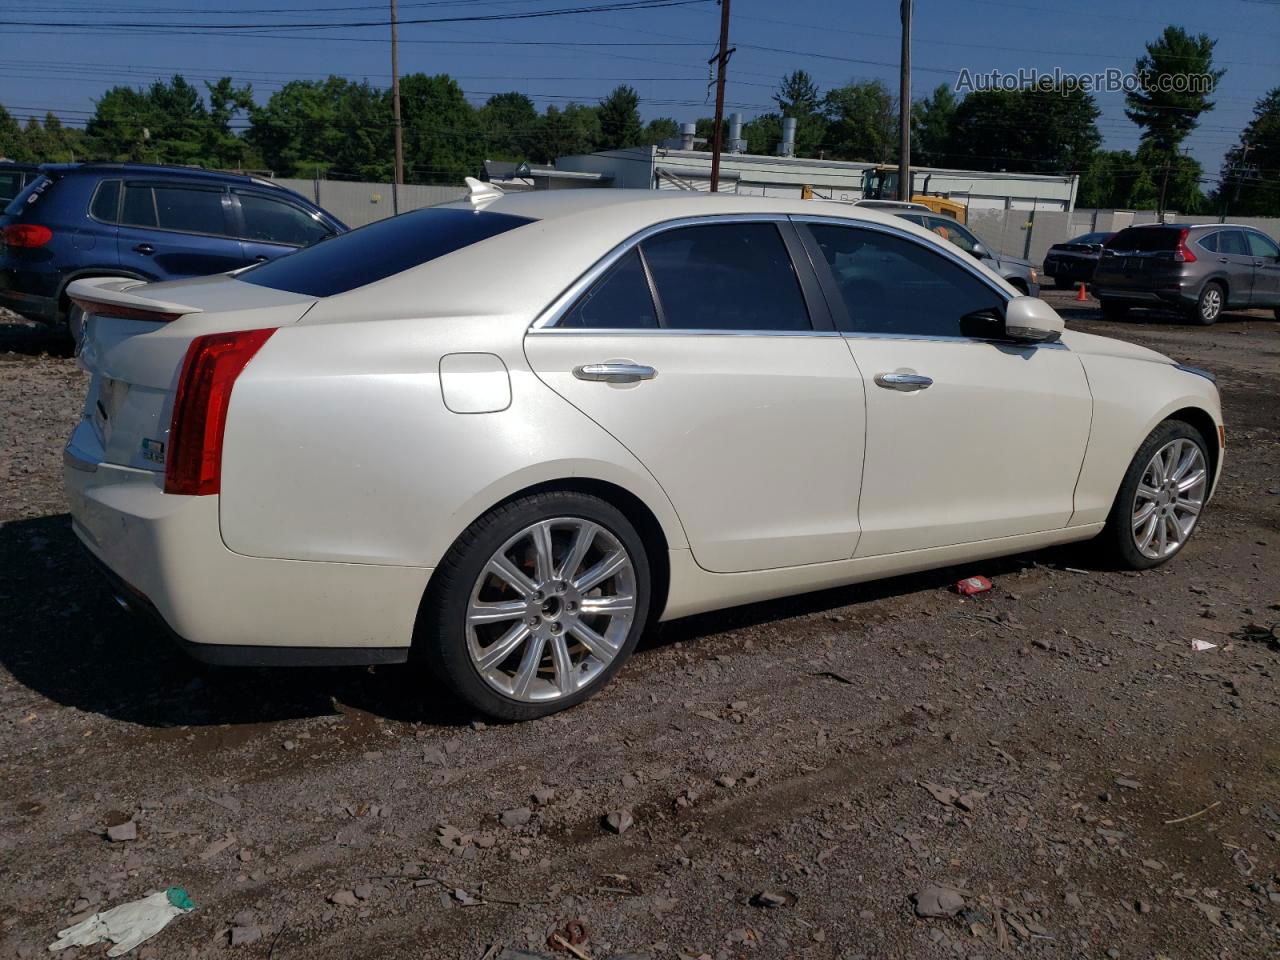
{"points": [[342, 128]]}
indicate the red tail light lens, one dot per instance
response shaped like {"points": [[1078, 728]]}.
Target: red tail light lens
{"points": [[209, 371], [1183, 254], [26, 235]]}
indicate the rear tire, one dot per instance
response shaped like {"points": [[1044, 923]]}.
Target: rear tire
{"points": [[1152, 519], [513, 621], [1114, 309], [1210, 304]]}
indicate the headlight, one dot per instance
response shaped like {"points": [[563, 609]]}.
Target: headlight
{"points": [[1035, 277]]}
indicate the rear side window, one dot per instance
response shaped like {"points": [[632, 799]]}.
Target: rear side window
{"points": [[190, 211], [732, 276], [1261, 246], [892, 285], [1232, 241], [106, 201], [139, 206], [618, 300], [380, 250], [1145, 240], [269, 220], [1209, 243]]}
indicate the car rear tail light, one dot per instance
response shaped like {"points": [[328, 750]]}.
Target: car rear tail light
{"points": [[102, 308], [27, 235], [1183, 254], [209, 371]]}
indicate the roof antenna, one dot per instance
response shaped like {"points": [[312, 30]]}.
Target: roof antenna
{"points": [[482, 194]]}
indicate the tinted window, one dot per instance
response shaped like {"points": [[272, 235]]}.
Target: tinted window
{"points": [[1232, 241], [951, 231], [1261, 246], [619, 299], [1145, 239], [1091, 238], [1209, 243], [274, 221], [10, 185], [139, 206], [191, 211], [380, 250], [106, 201], [893, 285], [32, 192], [732, 276]]}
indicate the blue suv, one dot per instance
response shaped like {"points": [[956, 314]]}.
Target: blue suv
{"points": [[145, 222]]}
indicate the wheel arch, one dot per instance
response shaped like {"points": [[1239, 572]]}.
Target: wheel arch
{"points": [[1203, 423]]}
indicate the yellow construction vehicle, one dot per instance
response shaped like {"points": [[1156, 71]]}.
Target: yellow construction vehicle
{"points": [[881, 183]]}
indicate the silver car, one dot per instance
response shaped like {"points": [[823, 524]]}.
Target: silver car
{"points": [[1019, 272], [1198, 269]]}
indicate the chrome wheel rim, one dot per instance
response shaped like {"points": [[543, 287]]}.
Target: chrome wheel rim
{"points": [[551, 609], [1211, 306], [1169, 498]]}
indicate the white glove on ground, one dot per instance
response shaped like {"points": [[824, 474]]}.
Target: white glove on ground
{"points": [[128, 924]]}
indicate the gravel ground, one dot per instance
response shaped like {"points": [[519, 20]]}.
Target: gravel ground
{"points": [[1051, 763]]}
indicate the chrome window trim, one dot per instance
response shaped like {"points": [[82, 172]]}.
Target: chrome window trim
{"points": [[545, 321]]}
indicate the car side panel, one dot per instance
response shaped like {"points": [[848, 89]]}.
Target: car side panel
{"points": [[339, 445], [1130, 398]]}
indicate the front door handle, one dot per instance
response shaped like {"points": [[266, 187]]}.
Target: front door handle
{"points": [[1257, 263], [615, 372], [1223, 260], [906, 382], [145, 249]]}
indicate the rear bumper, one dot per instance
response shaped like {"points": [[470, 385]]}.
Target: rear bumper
{"points": [[1169, 296], [30, 305], [165, 558]]}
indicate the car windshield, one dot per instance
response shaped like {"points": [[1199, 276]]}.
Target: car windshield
{"points": [[1145, 239], [1091, 238], [379, 250], [30, 195]]}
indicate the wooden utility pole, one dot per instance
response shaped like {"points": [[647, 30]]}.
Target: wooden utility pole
{"points": [[395, 115], [904, 107], [721, 59]]}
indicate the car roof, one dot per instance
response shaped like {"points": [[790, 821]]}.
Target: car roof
{"points": [[155, 169]]}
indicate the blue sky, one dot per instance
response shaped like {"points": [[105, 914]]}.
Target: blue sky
{"points": [[661, 52]]}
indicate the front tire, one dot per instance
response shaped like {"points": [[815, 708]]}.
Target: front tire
{"points": [[1160, 498], [537, 605], [1114, 309]]}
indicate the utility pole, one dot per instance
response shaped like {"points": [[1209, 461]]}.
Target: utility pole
{"points": [[721, 59], [1164, 182], [395, 115], [904, 107]]}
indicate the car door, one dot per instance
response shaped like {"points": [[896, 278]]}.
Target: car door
{"points": [[1266, 269], [271, 227], [708, 353], [1234, 255], [967, 439], [170, 229]]}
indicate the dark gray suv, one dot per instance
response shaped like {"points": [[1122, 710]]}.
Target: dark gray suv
{"points": [[1199, 269]]}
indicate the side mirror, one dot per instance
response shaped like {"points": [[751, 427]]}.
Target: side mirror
{"points": [[1031, 320], [980, 251]]}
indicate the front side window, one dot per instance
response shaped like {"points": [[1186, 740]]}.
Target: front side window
{"points": [[893, 285], [727, 276], [1261, 246], [620, 300], [269, 220]]}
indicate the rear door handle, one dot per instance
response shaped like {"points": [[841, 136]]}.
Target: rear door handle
{"points": [[906, 382], [1257, 263], [145, 249], [615, 372], [260, 259]]}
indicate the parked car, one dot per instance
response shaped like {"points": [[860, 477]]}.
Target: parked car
{"points": [[1073, 262], [143, 223], [1017, 271], [14, 177], [510, 433], [1199, 270]]}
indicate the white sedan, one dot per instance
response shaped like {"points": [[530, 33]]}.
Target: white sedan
{"points": [[508, 433]]}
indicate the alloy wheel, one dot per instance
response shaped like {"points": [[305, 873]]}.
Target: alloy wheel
{"points": [[551, 609], [1211, 304], [1169, 498]]}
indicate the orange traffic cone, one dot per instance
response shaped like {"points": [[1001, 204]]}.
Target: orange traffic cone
{"points": [[1081, 296]]}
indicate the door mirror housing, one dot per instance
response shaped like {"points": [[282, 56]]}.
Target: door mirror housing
{"points": [[1031, 320], [981, 252], [1024, 320]]}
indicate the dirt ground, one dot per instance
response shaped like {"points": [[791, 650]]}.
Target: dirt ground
{"points": [[1053, 753]]}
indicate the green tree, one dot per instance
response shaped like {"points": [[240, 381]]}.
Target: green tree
{"points": [[798, 96], [660, 129], [930, 120], [1251, 170], [442, 141], [1044, 129], [311, 127], [222, 147], [509, 121], [763, 133], [861, 122], [1177, 78], [13, 145], [620, 119]]}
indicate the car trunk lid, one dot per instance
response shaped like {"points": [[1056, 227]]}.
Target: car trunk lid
{"points": [[136, 337]]}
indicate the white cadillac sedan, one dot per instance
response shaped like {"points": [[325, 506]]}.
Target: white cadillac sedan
{"points": [[506, 434]]}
